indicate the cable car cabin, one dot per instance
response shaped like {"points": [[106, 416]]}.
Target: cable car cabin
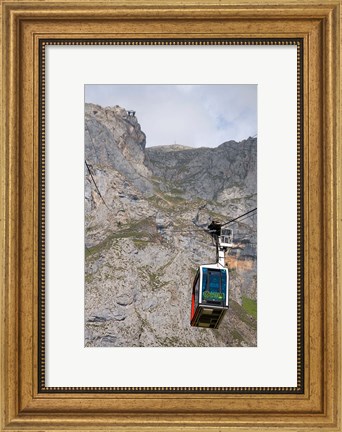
{"points": [[209, 296]]}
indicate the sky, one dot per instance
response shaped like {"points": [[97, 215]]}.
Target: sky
{"points": [[190, 115]]}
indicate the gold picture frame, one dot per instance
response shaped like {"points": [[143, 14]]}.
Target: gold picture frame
{"points": [[26, 26]]}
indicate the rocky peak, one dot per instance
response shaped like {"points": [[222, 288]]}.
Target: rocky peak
{"points": [[221, 173], [114, 118], [114, 139]]}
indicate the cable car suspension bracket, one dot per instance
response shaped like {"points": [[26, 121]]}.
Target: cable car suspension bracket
{"points": [[223, 238]]}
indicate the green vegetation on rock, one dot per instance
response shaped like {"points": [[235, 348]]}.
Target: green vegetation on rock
{"points": [[250, 306], [242, 314], [237, 336]]}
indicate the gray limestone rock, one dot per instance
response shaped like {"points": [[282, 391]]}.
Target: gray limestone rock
{"points": [[144, 213]]}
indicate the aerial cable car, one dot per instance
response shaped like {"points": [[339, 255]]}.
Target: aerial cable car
{"points": [[210, 289]]}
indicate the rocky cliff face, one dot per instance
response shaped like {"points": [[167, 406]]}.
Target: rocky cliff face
{"points": [[214, 174], [144, 209]]}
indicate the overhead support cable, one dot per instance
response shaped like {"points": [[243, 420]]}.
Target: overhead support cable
{"points": [[239, 217], [98, 190]]}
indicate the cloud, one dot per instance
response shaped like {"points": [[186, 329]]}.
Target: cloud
{"points": [[192, 115]]}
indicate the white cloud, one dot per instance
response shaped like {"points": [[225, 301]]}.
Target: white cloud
{"points": [[192, 115]]}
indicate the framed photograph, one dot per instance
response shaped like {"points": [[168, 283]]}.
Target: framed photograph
{"points": [[155, 220], [170, 216]]}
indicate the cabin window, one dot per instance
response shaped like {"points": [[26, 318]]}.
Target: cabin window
{"points": [[214, 285], [214, 281]]}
